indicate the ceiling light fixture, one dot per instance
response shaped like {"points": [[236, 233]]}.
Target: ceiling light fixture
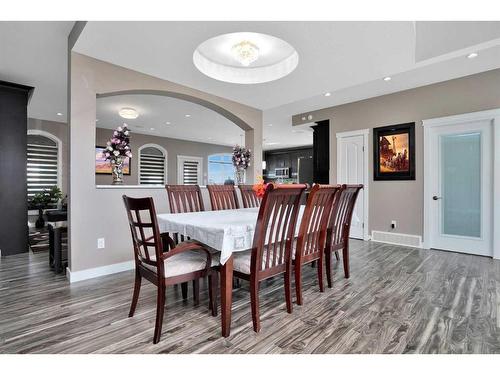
{"points": [[245, 52], [152, 128], [128, 113], [187, 115], [59, 114], [472, 55], [387, 79], [167, 123], [328, 93], [269, 124]]}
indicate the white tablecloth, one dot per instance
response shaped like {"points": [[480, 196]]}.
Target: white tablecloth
{"points": [[227, 230]]}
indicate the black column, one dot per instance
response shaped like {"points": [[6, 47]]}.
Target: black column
{"points": [[13, 144], [321, 152]]}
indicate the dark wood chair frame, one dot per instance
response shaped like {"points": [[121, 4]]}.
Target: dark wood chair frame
{"points": [[311, 239], [184, 198], [282, 223], [223, 197], [249, 197], [142, 257], [339, 227]]}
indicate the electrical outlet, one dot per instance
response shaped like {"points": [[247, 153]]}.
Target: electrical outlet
{"points": [[394, 224], [101, 244]]}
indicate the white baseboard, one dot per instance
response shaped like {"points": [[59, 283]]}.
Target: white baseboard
{"points": [[98, 271], [401, 239]]}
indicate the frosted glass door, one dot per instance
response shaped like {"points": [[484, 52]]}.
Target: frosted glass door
{"points": [[461, 184]]}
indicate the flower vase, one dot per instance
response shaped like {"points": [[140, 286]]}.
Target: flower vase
{"points": [[240, 176], [117, 171]]}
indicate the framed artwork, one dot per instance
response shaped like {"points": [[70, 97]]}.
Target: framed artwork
{"points": [[394, 152], [103, 166]]}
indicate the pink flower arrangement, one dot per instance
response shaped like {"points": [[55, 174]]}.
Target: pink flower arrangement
{"points": [[119, 145], [241, 157]]}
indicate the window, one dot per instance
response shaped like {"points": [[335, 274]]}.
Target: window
{"points": [[189, 170], [43, 166], [220, 169], [152, 170]]}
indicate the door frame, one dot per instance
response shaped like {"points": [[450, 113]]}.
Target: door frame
{"points": [[181, 159], [493, 116], [365, 133]]}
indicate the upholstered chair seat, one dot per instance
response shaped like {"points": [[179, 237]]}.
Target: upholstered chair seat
{"points": [[183, 263]]}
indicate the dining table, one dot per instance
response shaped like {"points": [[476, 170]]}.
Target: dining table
{"points": [[226, 231]]}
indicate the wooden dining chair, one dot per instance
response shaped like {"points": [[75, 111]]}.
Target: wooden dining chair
{"points": [[272, 244], [184, 198], [310, 243], [223, 197], [183, 262], [248, 196], [338, 228]]}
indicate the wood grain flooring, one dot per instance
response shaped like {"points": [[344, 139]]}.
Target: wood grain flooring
{"points": [[398, 300]]}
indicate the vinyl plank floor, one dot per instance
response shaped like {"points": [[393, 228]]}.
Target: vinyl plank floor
{"points": [[398, 300]]}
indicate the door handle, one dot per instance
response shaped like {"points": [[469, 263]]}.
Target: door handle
{"points": [[436, 197]]}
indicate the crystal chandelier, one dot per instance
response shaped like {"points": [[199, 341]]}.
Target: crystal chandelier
{"points": [[245, 52]]}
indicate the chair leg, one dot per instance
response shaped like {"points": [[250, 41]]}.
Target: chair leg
{"points": [[337, 255], [345, 258], [320, 275], [196, 292], [288, 291], [213, 280], [298, 283], [328, 266], [184, 290], [135, 296], [160, 308], [254, 299]]}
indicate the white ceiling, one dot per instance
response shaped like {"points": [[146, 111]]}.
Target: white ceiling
{"points": [[348, 59], [34, 54], [203, 124]]}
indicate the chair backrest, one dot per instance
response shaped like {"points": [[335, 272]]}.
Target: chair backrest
{"points": [[314, 222], [275, 229], [341, 216], [248, 196], [143, 225], [223, 197], [184, 198]]}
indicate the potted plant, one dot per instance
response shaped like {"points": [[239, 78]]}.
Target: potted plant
{"points": [[44, 200], [117, 149]]}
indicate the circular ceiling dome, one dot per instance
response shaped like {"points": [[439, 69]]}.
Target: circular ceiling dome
{"points": [[245, 58]]}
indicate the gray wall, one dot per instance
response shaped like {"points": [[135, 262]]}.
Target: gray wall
{"points": [[59, 130], [403, 200], [99, 213], [174, 147]]}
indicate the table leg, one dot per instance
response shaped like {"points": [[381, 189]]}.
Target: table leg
{"points": [[226, 297]]}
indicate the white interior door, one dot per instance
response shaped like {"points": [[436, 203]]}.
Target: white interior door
{"points": [[461, 187], [351, 170]]}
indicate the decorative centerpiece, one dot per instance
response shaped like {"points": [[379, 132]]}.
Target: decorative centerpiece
{"points": [[241, 161], [117, 149], [260, 187]]}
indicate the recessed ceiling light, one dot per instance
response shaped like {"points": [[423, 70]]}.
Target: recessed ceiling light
{"points": [[59, 114], [96, 120], [128, 113], [187, 115], [472, 55], [387, 79], [167, 123], [269, 124], [152, 128], [328, 93]]}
